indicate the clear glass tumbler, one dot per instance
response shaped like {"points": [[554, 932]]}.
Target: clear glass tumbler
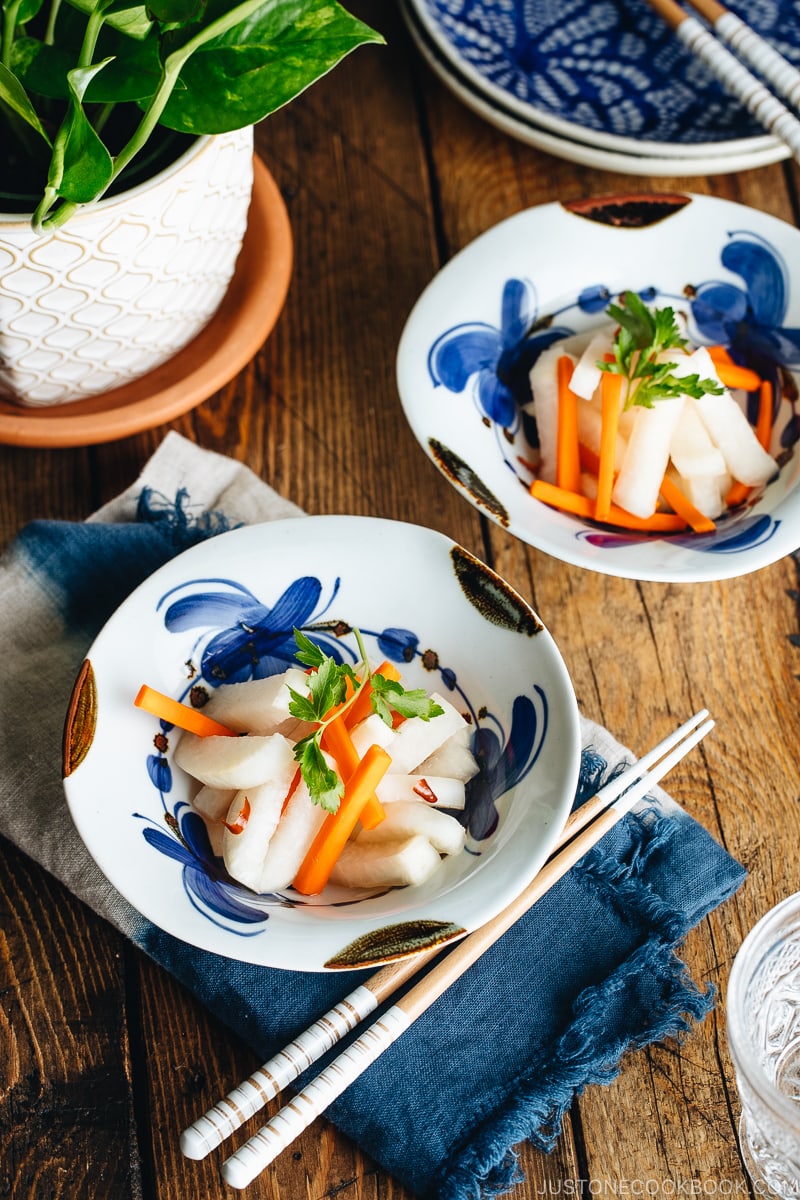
{"points": [[764, 1039]]}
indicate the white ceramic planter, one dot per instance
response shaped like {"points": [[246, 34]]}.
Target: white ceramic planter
{"points": [[126, 283]]}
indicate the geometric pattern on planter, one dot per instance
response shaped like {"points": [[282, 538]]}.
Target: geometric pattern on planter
{"points": [[126, 284]]}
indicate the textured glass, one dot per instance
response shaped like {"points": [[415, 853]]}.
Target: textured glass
{"points": [[764, 1034]]}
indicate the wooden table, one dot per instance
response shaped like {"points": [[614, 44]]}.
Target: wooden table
{"points": [[103, 1058]]}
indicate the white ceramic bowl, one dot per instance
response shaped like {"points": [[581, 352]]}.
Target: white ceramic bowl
{"points": [[231, 604], [465, 352]]}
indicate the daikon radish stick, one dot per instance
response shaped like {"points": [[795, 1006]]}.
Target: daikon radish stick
{"points": [[646, 457], [236, 762], [301, 822], [544, 388], [568, 470], [416, 740], [746, 458], [213, 802], [386, 864], [257, 705], [691, 449], [440, 791], [705, 492], [610, 399], [244, 848], [586, 375], [406, 818]]}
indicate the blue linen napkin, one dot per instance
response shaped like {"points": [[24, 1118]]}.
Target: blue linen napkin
{"points": [[589, 974]]}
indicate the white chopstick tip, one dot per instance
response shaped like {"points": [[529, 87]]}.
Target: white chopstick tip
{"points": [[237, 1175], [193, 1144]]}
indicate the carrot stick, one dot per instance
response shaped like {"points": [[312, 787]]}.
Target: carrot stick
{"points": [[734, 376], [682, 505], [731, 373], [361, 707], [764, 421], [181, 715], [582, 506], [737, 493], [316, 867], [568, 470], [337, 741], [609, 396]]}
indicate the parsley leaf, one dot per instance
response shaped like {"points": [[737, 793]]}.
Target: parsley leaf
{"points": [[388, 694], [643, 336], [328, 698], [324, 785]]}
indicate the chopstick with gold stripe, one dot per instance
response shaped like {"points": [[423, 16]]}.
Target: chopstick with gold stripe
{"points": [[782, 75], [734, 77], [582, 833], [229, 1113]]}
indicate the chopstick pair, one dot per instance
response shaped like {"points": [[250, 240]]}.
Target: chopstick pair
{"points": [[776, 118], [584, 828]]}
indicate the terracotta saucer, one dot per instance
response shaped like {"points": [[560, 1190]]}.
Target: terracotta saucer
{"points": [[241, 325]]}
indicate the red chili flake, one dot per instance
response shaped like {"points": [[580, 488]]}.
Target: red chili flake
{"points": [[242, 817], [425, 791]]}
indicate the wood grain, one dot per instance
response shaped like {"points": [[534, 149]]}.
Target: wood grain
{"points": [[105, 1057]]}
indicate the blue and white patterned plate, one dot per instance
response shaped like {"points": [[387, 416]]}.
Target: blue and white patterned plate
{"points": [[608, 73], [472, 337], [226, 610], [627, 157]]}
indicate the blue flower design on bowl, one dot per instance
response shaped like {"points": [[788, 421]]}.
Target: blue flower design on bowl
{"points": [[492, 365], [240, 637]]}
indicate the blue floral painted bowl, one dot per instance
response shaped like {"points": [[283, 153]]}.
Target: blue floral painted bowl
{"points": [[225, 611], [544, 274]]}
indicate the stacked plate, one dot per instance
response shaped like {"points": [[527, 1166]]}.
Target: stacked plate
{"points": [[597, 82]]}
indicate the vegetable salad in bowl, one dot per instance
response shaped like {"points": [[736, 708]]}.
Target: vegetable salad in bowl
{"points": [[314, 764], [295, 770], [616, 382], [638, 431]]}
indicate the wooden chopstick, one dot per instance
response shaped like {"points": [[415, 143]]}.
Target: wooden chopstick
{"points": [[734, 77], [229, 1113], [246, 1163]]}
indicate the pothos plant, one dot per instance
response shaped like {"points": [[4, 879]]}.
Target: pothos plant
{"points": [[92, 89]]}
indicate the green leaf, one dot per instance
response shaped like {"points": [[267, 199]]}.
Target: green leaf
{"points": [[412, 703], [643, 336], [635, 320], [308, 652], [178, 12], [28, 10], [81, 165], [324, 785], [301, 707], [14, 95], [261, 64], [129, 16]]}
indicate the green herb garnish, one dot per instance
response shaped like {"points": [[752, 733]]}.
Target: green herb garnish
{"points": [[643, 335], [327, 689]]}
